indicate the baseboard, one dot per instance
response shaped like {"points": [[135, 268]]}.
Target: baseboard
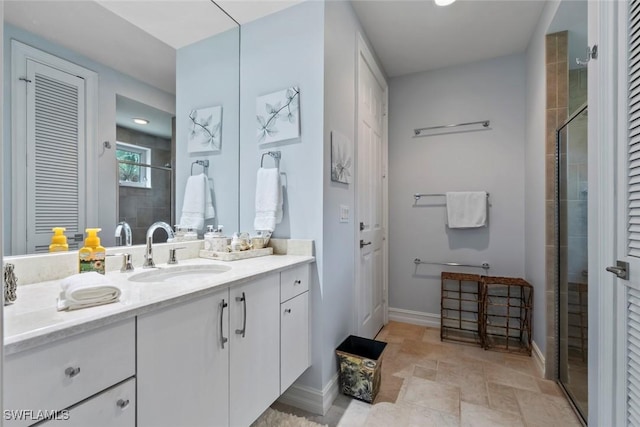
{"points": [[311, 399], [538, 357], [414, 317]]}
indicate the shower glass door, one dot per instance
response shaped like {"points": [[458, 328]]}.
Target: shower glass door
{"points": [[573, 283]]}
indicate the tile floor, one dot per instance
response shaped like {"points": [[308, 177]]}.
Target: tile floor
{"points": [[426, 382]]}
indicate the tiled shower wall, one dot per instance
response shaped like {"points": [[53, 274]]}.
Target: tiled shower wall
{"points": [[141, 207], [556, 114]]}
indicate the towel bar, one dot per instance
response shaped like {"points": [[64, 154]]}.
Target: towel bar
{"points": [[417, 196], [485, 265]]}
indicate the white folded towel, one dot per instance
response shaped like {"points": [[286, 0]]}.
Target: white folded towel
{"points": [[87, 290], [467, 209], [268, 199], [197, 205]]}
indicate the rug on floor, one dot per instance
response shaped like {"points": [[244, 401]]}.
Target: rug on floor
{"points": [[273, 418]]}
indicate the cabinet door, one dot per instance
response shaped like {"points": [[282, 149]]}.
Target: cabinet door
{"points": [[115, 407], [255, 354], [294, 353], [183, 369]]}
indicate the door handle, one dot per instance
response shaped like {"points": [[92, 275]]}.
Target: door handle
{"points": [[363, 243], [621, 270]]}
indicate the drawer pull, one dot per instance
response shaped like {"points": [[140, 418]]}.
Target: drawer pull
{"points": [[122, 403], [287, 310], [297, 282], [72, 372]]}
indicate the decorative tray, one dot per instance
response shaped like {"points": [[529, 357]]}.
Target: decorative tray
{"points": [[235, 256]]}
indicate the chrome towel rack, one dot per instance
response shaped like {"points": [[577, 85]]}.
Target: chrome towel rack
{"points": [[277, 155], [485, 265], [203, 163], [470, 126], [418, 196]]}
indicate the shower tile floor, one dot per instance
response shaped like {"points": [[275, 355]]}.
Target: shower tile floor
{"points": [[426, 382]]}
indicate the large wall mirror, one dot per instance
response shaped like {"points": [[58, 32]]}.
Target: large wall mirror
{"points": [[109, 107]]}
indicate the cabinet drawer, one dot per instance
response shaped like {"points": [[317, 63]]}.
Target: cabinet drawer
{"points": [[60, 374], [115, 407], [294, 340], [294, 282]]}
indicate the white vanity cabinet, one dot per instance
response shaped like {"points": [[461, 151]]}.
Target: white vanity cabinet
{"points": [[115, 407], [255, 348], [295, 352], [60, 374], [212, 361], [183, 364]]}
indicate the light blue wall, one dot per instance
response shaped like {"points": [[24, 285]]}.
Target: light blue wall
{"points": [[207, 74], [111, 82], [490, 160], [278, 51], [341, 44]]}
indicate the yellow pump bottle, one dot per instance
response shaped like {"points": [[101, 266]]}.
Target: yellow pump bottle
{"points": [[92, 255], [58, 240]]}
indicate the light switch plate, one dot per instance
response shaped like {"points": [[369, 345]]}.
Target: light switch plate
{"points": [[344, 213]]}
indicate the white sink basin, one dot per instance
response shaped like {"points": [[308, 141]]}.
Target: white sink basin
{"points": [[182, 273]]}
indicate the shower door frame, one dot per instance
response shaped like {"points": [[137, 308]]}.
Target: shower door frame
{"points": [[583, 419]]}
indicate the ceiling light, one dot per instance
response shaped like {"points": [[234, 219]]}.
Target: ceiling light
{"points": [[443, 2], [141, 121]]}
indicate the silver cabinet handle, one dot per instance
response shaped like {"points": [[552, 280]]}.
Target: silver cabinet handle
{"points": [[223, 339], [72, 372], [122, 403], [363, 243], [242, 331]]}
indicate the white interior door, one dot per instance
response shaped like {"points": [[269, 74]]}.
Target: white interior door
{"points": [[371, 154], [55, 161], [626, 301]]}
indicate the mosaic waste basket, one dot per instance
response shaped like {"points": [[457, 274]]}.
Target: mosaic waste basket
{"points": [[360, 363]]}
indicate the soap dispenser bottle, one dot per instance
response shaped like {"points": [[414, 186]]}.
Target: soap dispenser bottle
{"points": [[58, 240], [208, 238], [92, 255]]}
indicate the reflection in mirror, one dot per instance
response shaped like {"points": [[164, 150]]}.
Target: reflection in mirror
{"points": [[144, 137], [71, 70]]}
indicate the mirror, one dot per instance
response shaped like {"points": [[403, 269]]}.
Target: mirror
{"points": [[103, 64]]}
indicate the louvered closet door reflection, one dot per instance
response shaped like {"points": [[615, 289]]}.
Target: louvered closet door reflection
{"points": [[55, 154]]}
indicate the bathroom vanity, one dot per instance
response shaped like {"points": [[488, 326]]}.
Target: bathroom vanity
{"points": [[216, 351]]}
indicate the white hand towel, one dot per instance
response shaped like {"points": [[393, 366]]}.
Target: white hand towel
{"points": [[268, 199], [197, 205], [467, 209], [87, 290]]}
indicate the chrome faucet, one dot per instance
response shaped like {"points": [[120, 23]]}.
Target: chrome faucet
{"points": [[148, 254], [128, 236]]}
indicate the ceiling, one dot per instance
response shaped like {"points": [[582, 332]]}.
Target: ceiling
{"points": [[414, 36], [128, 109]]}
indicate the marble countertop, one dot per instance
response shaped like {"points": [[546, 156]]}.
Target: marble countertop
{"points": [[33, 319]]}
